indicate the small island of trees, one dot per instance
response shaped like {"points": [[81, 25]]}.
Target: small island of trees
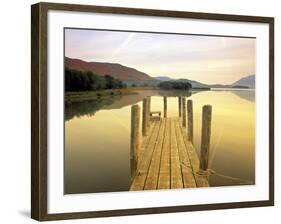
{"points": [[175, 85], [88, 81]]}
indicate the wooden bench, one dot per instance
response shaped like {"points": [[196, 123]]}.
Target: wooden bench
{"points": [[155, 115]]}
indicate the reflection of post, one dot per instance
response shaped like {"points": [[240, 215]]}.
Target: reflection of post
{"points": [[165, 106], [205, 137], [190, 120], [183, 112], [135, 137], [144, 116], [148, 111], [179, 106]]}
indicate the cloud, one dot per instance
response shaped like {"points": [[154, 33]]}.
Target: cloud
{"points": [[204, 58]]}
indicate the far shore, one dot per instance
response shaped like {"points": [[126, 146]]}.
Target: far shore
{"points": [[91, 95], [98, 94]]}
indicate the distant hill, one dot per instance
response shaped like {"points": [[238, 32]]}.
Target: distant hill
{"points": [[248, 81], [163, 78], [116, 70]]}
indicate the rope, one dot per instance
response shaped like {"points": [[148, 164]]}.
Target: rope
{"points": [[213, 172], [244, 181]]}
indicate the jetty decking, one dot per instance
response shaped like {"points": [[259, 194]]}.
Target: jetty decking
{"points": [[165, 156]]}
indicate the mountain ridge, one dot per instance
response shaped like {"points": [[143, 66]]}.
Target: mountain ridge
{"points": [[246, 81], [104, 68], [132, 76]]}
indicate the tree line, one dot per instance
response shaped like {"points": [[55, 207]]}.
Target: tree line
{"points": [[175, 85], [89, 81]]}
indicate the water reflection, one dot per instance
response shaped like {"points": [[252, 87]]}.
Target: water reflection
{"points": [[97, 138], [90, 107], [246, 95], [133, 165]]}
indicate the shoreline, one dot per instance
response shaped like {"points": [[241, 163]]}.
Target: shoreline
{"points": [[100, 94], [92, 95]]}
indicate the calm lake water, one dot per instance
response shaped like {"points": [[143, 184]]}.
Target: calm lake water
{"points": [[97, 138]]}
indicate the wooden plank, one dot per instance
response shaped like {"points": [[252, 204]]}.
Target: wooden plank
{"points": [[187, 172], [201, 181], [145, 139], [164, 173], [155, 112], [176, 175], [168, 159], [152, 177], [143, 166], [156, 115]]}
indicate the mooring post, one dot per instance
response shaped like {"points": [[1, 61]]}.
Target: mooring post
{"points": [[205, 137], [179, 106], [144, 116], [183, 112], [190, 120], [165, 106], [148, 111], [135, 135]]}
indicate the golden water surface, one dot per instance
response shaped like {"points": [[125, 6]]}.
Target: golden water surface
{"points": [[97, 139]]}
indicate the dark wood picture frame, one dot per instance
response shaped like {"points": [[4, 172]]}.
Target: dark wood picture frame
{"points": [[39, 149]]}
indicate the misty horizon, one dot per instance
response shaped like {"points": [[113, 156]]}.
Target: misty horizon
{"points": [[162, 75]]}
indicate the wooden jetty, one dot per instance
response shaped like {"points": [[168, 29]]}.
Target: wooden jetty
{"points": [[164, 156]]}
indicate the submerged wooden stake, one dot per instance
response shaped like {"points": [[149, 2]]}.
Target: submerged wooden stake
{"points": [[135, 135], [190, 120], [179, 106], [183, 112], [144, 116], [205, 137], [165, 106]]}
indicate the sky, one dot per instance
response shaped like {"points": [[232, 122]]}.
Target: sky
{"points": [[207, 59]]}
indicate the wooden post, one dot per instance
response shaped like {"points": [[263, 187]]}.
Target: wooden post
{"points": [[205, 137], [165, 106], [148, 111], [135, 136], [183, 112], [190, 120], [179, 106], [144, 116]]}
